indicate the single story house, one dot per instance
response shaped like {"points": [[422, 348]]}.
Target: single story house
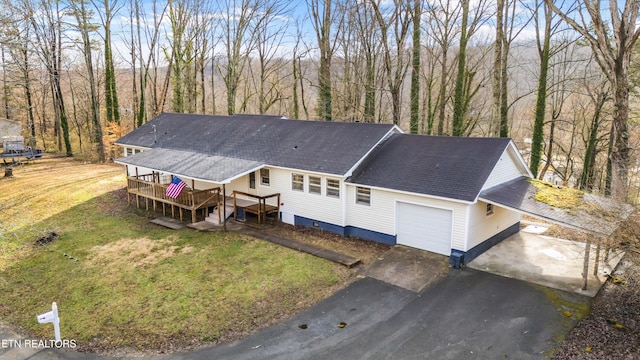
{"points": [[356, 179]]}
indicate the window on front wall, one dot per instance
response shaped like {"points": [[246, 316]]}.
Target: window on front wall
{"points": [[363, 196], [489, 209], [129, 152], [252, 180], [264, 177], [297, 182], [315, 185], [333, 188]]}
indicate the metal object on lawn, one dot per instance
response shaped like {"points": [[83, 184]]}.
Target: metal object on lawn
{"points": [[52, 317]]}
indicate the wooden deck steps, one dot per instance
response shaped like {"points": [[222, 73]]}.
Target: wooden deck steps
{"points": [[168, 223], [213, 217]]}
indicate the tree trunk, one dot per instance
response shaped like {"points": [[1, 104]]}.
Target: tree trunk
{"points": [[621, 152], [83, 27], [443, 90], [5, 88], [415, 69], [541, 99], [497, 61], [552, 129], [110, 94], [587, 175], [322, 24], [459, 113]]}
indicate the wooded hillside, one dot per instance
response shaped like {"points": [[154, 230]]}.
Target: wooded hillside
{"points": [[559, 78]]}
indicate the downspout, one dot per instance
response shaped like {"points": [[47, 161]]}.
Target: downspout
{"points": [[343, 199], [224, 207]]}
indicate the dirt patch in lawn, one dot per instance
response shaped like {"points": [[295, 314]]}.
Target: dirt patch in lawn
{"points": [[135, 252]]}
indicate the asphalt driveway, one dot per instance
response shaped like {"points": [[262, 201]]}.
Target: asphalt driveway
{"points": [[467, 315]]}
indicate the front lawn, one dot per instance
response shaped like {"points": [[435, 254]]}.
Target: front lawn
{"points": [[122, 283]]}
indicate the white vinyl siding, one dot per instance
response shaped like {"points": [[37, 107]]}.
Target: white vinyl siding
{"points": [[482, 227], [321, 208], [505, 170], [381, 216]]}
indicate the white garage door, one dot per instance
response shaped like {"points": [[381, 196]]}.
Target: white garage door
{"points": [[424, 227]]}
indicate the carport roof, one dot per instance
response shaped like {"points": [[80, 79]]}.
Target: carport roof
{"points": [[518, 195]]}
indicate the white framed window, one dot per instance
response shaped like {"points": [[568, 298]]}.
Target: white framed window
{"points": [[129, 151], [333, 188], [363, 196], [489, 209], [264, 177], [315, 185], [297, 182]]}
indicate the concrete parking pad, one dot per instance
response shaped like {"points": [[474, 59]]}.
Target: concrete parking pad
{"points": [[547, 261], [409, 268]]}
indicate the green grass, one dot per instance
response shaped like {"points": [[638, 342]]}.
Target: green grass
{"points": [[137, 285]]}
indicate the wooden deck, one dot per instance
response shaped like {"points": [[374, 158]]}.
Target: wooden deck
{"points": [[147, 188], [150, 190]]}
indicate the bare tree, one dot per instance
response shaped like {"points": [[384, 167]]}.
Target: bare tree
{"points": [[84, 27], [368, 35], [415, 67], [324, 15], [238, 41], [107, 10], [612, 47], [464, 90], [397, 18], [443, 16], [270, 32], [46, 21], [544, 52]]}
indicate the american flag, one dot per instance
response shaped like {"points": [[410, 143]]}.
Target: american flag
{"points": [[175, 188]]}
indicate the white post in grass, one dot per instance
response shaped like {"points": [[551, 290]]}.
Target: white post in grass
{"points": [[51, 317]]}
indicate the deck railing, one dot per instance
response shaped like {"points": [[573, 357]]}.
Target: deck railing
{"points": [[145, 186]]}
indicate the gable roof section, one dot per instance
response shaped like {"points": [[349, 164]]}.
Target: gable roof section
{"points": [[328, 147], [441, 166]]}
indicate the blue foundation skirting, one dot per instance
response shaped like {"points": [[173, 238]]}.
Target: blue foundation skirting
{"points": [[346, 231], [459, 257]]}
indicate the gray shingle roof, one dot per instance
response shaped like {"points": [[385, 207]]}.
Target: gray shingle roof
{"points": [[192, 165], [450, 167], [328, 147]]}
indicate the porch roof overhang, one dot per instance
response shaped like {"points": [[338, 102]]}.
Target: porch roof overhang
{"points": [[519, 195], [197, 166]]}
